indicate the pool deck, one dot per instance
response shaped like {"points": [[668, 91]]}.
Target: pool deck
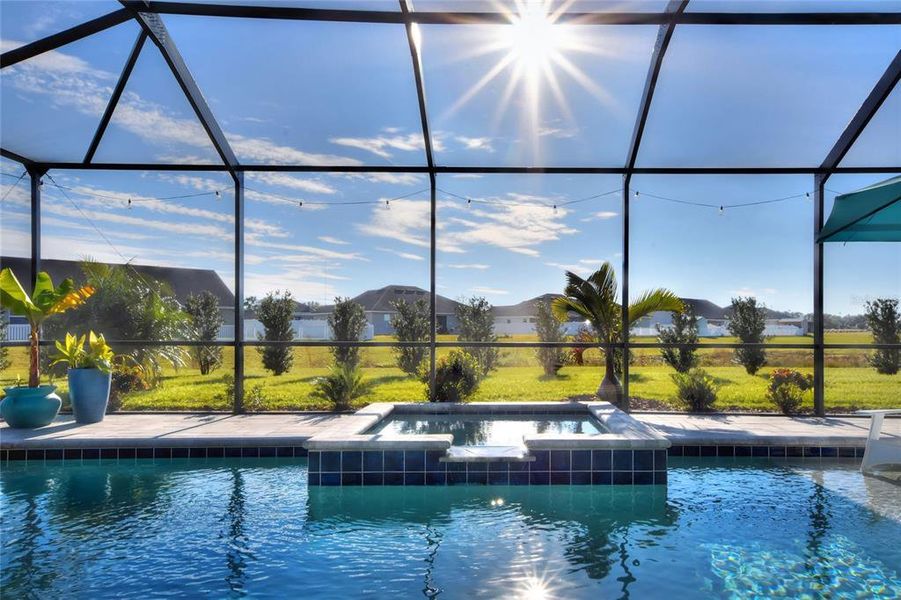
{"points": [[189, 430]]}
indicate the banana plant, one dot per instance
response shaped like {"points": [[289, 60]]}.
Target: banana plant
{"points": [[46, 300]]}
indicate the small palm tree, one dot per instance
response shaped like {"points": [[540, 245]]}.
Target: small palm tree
{"points": [[595, 298]]}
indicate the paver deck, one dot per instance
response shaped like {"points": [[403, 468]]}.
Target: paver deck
{"points": [[186, 430]]}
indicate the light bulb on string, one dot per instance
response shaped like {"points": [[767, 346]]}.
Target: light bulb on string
{"points": [[387, 205], [218, 195], [722, 211], [555, 209], [129, 204], [300, 204], [637, 193]]}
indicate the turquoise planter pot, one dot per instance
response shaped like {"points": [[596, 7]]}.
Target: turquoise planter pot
{"points": [[89, 394], [26, 407]]}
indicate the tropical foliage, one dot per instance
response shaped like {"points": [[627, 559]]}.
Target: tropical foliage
{"points": [[75, 354], [786, 389], [276, 313], [683, 335], [348, 321], [884, 320], [411, 323], [206, 320], [341, 386], [129, 306], [595, 299], [747, 322], [4, 351], [475, 323], [46, 300]]}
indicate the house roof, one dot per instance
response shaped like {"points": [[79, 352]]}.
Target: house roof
{"points": [[705, 308], [526, 308], [182, 281], [380, 300]]}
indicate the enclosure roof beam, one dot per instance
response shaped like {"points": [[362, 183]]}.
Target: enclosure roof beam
{"points": [[420, 87], [439, 169], [865, 113], [17, 157], [664, 35], [73, 34], [154, 27], [489, 17], [117, 93]]}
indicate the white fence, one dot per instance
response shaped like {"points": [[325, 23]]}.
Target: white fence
{"points": [[17, 332], [305, 329]]}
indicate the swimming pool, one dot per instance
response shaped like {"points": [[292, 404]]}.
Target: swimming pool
{"points": [[221, 527], [489, 429]]}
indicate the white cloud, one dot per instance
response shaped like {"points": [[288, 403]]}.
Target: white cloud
{"points": [[476, 266], [407, 255], [600, 216], [475, 143], [488, 290]]}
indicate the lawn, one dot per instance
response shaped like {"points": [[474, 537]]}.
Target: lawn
{"points": [[850, 383]]}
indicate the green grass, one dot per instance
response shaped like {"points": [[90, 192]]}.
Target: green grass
{"points": [[850, 383]]}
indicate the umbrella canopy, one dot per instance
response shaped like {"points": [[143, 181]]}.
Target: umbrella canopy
{"points": [[872, 214]]}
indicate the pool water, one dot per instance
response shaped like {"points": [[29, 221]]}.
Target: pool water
{"points": [[230, 528], [488, 430]]}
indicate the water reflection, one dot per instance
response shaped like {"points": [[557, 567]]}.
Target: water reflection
{"points": [[481, 430]]}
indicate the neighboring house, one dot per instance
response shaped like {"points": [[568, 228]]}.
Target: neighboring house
{"points": [[712, 319], [378, 306], [183, 282], [520, 319]]}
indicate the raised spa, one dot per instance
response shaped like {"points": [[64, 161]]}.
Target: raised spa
{"points": [[485, 429], [559, 443]]}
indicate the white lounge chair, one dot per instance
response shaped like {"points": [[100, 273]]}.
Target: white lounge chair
{"points": [[880, 453]]}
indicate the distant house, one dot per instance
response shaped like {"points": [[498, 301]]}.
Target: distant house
{"points": [[183, 282], [378, 306], [712, 319], [520, 319]]}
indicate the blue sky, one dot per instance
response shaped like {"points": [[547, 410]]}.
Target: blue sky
{"points": [[315, 93]]}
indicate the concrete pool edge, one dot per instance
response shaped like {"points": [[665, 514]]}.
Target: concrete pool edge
{"points": [[628, 452]]}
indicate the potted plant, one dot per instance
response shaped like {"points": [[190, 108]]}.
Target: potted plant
{"points": [[90, 374], [36, 405]]}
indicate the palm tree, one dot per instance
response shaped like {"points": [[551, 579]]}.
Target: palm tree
{"points": [[595, 298]]}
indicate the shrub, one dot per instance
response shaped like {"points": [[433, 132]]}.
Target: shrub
{"points": [[696, 389], [787, 388], [457, 377], [341, 386], [276, 313], [549, 329], [476, 324], [348, 320], [684, 332], [747, 322], [411, 323], [126, 378], [206, 319], [884, 321], [4, 351]]}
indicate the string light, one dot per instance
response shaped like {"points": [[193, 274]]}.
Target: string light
{"points": [[218, 195], [637, 193], [129, 204], [387, 205], [555, 209], [722, 211]]}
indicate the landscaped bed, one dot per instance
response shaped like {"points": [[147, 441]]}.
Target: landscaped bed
{"points": [[850, 383]]}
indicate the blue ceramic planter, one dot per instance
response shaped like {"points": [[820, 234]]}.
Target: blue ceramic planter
{"points": [[89, 394], [27, 407]]}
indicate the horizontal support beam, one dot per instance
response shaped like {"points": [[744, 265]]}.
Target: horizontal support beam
{"points": [[16, 157], [62, 38], [81, 166], [481, 18]]}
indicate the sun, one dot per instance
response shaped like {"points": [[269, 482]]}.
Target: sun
{"points": [[533, 39]]}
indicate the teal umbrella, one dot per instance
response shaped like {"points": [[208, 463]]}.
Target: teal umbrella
{"points": [[872, 214]]}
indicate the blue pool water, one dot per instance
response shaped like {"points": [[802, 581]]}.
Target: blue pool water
{"points": [[488, 430], [222, 528]]}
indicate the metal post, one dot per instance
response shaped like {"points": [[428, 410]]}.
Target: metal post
{"points": [[433, 304], [819, 353], [35, 174], [239, 294], [625, 301]]}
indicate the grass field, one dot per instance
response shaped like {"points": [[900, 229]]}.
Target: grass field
{"points": [[850, 382]]}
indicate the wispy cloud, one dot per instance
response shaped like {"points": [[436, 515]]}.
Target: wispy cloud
{"points": [[381, 144], [475, 266], [332, 240], [313, 186], [407, 255], [602, 215]]}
